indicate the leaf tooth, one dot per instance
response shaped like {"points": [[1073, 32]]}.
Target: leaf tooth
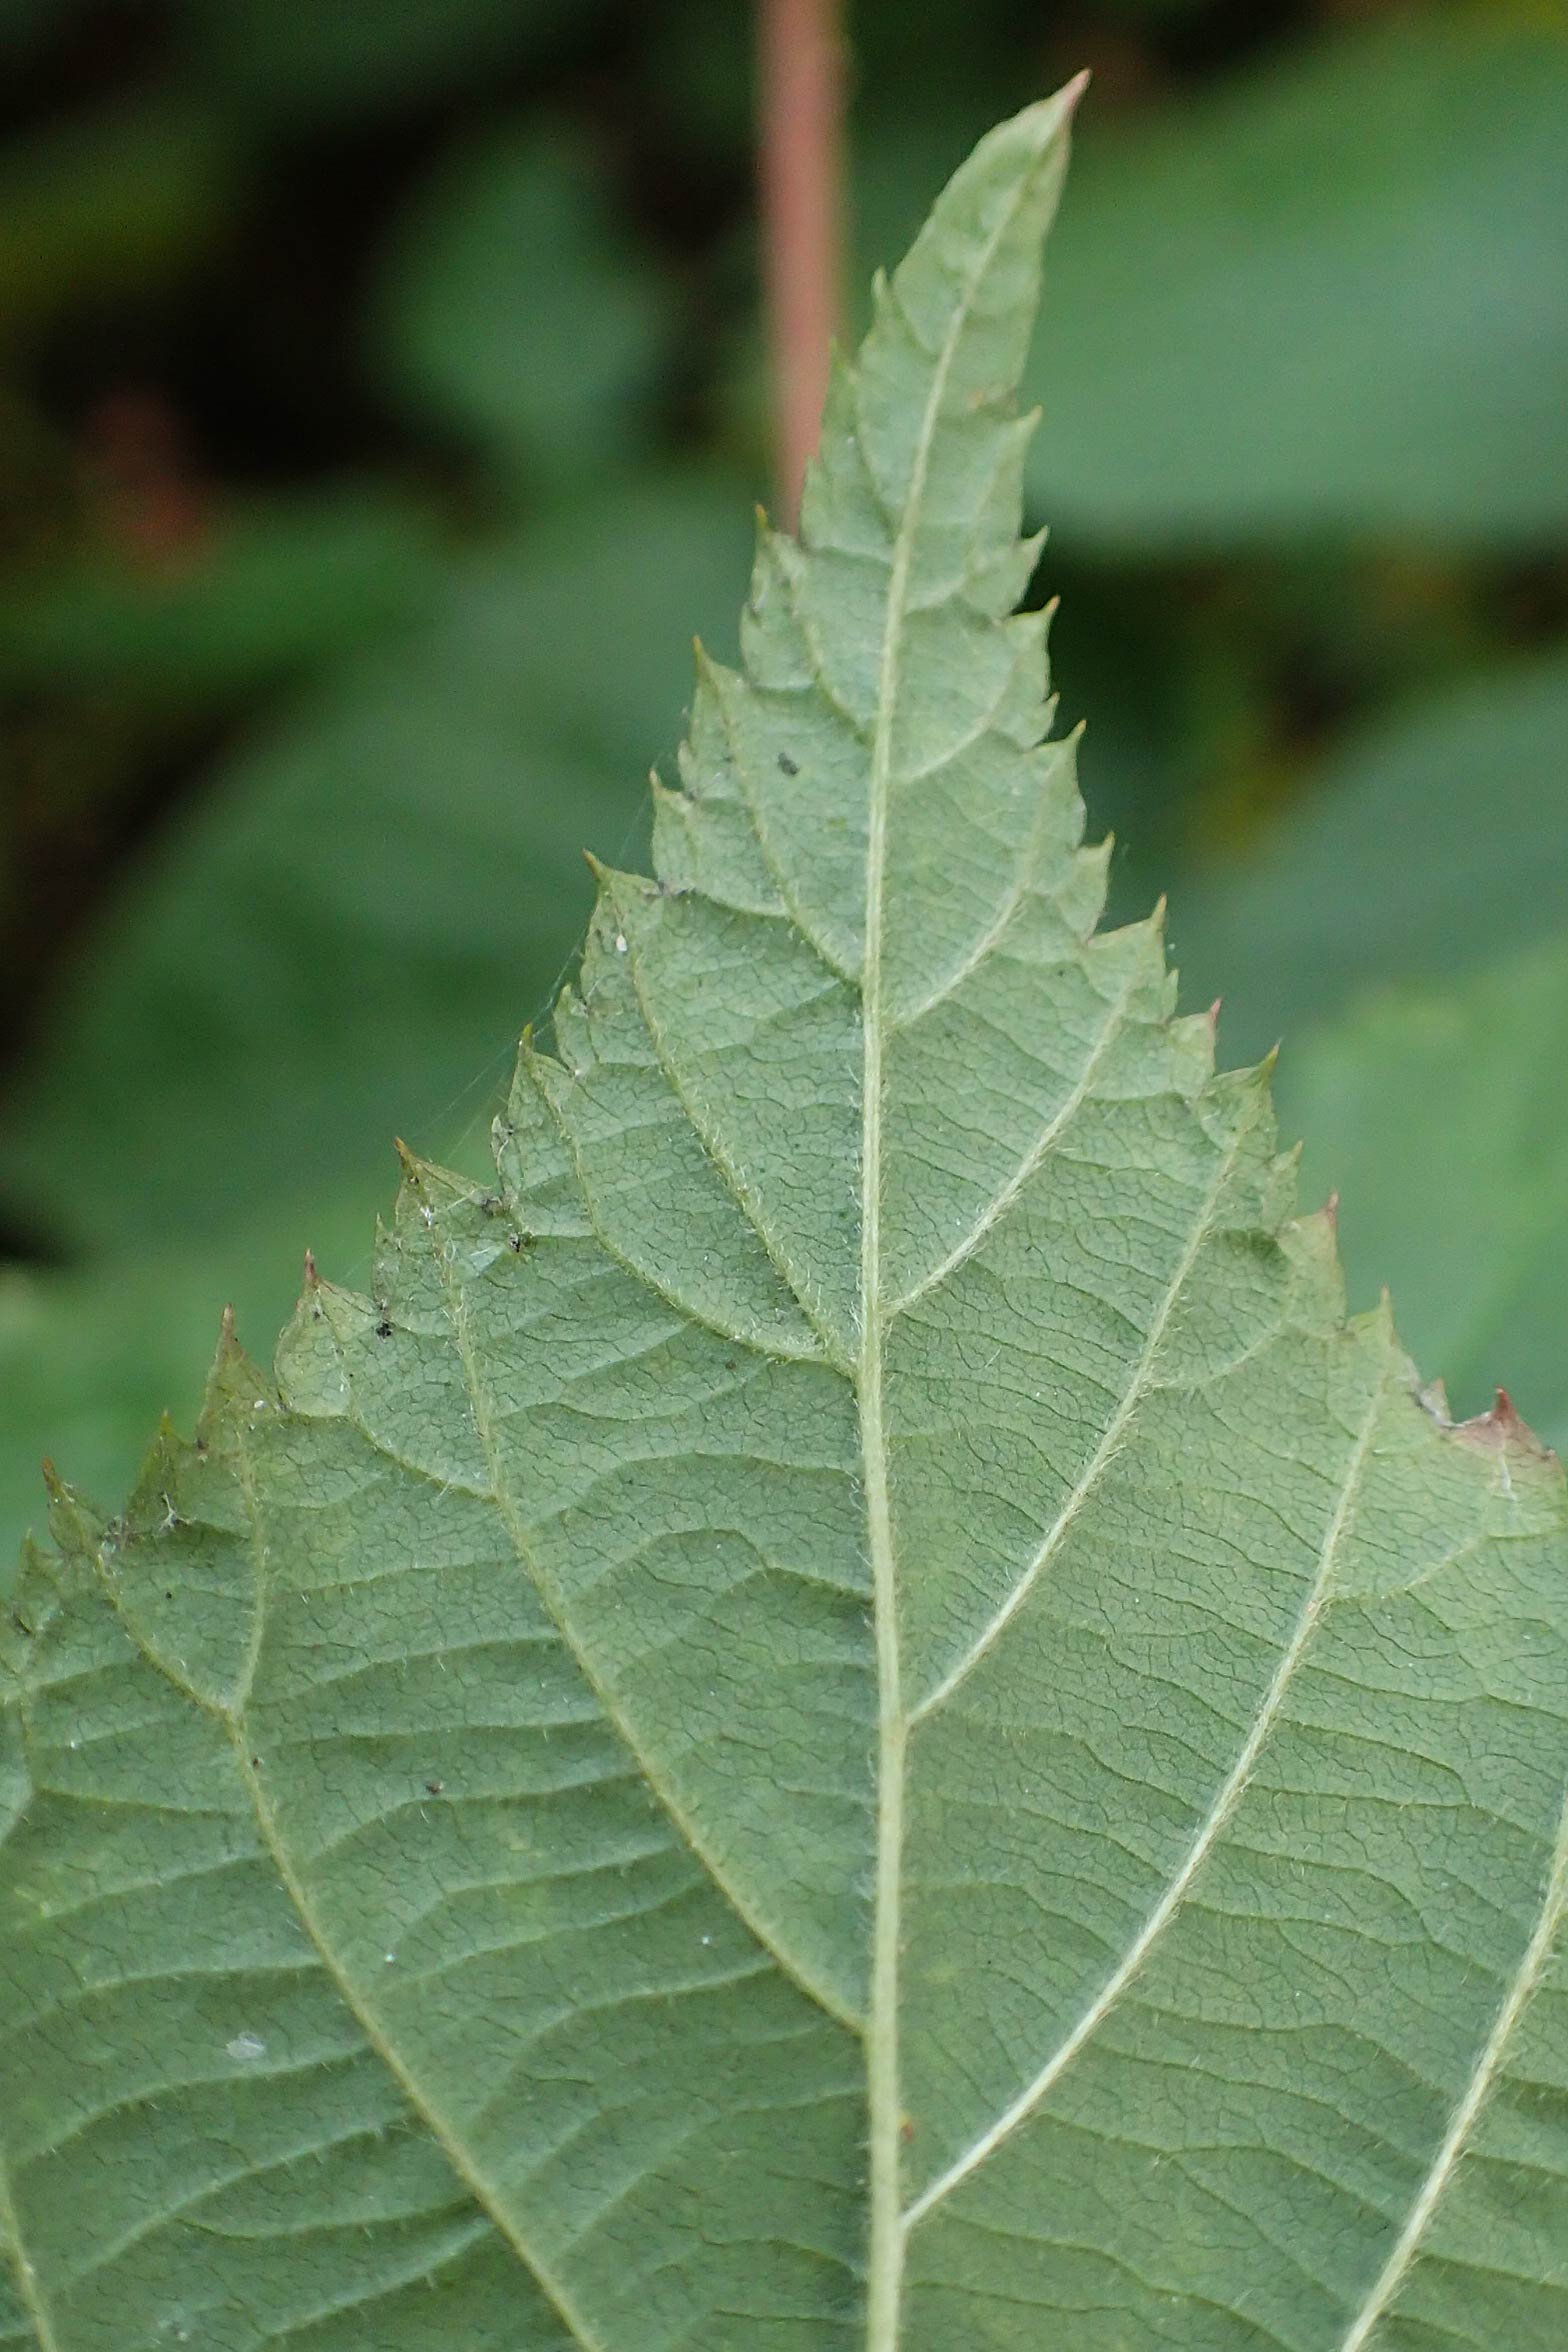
{"points": [[431, 1187], [1280, 1187], [310, 1368], [76, 1527], [1311, 1247], [235, 1380], [1001, 563], [1502, 1429], [1192, 1046], [841, 505], [1087, 872], [156, 1497], [675, 854], [1132, 957]]}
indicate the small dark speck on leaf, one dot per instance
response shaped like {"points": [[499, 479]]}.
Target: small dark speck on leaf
{"points": [[729, 1363], [384, 1329], [789, 766]]}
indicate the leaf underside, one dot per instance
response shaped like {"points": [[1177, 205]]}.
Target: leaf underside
{"points": [[846, 1714]]}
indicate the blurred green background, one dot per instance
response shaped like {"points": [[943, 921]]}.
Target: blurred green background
{"points": [[383, 406]]}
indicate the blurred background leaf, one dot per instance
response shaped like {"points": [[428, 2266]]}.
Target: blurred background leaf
{"points": [[1440, 1115], [368, 902], [518, 309], [295, 59], [1325, 297], [129, 196], [380, 412], [267, 587], [1433, 837]]}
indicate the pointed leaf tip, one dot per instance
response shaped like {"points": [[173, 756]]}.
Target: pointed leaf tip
{"points": [[1051, 117]]}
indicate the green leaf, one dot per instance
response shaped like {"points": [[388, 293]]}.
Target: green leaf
{"points": [[267, 587], [91, 205], [339, 940], [1324, 296], [294, 60], [1331, 297], [843, 1712], [90, 1356], [515, 306], [336, 947], [1459, 825], [1439, 1115]]}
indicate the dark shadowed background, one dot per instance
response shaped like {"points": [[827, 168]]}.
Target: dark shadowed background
{"points": [[383, 404]]}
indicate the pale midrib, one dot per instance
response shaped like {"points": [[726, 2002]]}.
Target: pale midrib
{"points": [[1220, 1812], [27, 2286], [1488, 2066], [885, 2254]]}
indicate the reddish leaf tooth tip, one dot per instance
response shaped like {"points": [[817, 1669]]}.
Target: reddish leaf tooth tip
{"points": [[1502, 1425]]}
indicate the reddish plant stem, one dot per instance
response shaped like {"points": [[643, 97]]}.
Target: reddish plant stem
{"points": [[801, 130]]}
